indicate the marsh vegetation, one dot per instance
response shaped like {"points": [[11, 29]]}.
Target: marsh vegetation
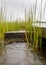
{"points": [[35, 32]]}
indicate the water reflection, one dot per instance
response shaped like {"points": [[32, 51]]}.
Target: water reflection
{"points": [[21, 54]]}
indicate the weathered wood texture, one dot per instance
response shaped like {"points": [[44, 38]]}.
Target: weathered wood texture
{"points": [[18, 36]]}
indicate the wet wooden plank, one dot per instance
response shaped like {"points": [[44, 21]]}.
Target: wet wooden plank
{"points": [[17, 36]]}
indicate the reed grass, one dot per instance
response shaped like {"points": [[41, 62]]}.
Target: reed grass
{"points": [[35, 32]]}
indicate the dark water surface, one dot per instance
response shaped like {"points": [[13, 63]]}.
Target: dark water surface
{"points": [[21, 54]]}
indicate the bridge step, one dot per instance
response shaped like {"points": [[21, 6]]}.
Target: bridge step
{"points": [[16, 36]]}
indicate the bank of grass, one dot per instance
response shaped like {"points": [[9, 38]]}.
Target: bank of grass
{"points": [[35, 32], [16, 26], [12, 26]]}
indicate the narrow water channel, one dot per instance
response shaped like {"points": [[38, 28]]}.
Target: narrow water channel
{"points": [[21, 54]]}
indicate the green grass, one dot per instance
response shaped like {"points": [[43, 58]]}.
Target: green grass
{"points": [[35, 32], [16, 26]]}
